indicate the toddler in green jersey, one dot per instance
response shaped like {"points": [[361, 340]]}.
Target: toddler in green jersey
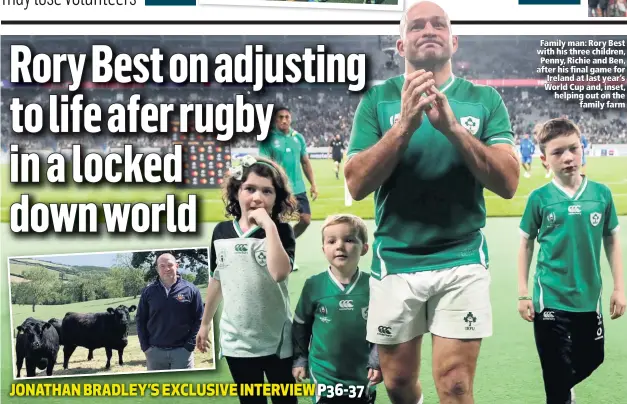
{"points": [[571, 217], [329, 328]]}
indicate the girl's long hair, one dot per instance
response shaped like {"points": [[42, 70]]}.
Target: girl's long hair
{"points": [[285, 205]]}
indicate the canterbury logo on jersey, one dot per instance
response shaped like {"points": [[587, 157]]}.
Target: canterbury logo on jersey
{"points": [[346, 305], [241, 248], [574, 210]]}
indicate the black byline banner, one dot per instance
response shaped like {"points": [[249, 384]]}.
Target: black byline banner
{"points": [[590, 21]]}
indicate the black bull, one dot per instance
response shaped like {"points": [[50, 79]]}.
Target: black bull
{"points": [[37, 341], [96, 330]]}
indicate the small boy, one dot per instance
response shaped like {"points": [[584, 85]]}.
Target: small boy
{"points": [[329, 328], [570, 216]]}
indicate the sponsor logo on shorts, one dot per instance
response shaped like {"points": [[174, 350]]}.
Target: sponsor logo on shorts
{"points": [[384, 331], [346, 305], [470, 319], [548, 316], [600, 329]]}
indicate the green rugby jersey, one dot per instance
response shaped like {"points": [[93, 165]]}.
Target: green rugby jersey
{"points": [[287, 150], [330, 329], [570, 231], [430, 212]]}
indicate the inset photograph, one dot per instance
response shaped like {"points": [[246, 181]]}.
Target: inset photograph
{"points": [[109, 313], [607, 8]]}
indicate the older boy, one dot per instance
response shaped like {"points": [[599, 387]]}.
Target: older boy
{"points": [[329, 328], [570, 217]]}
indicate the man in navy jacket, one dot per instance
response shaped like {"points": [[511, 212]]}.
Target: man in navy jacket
{"points": [[168, 318]]}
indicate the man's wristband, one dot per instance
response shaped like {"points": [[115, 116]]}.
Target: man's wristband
{"points": [[524, 298]]}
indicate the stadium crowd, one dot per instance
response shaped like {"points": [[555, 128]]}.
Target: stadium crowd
{"points": [[319, 111]]}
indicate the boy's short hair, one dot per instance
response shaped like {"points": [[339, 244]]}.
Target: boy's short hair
{"points": [[355, 222], [554, 128]]}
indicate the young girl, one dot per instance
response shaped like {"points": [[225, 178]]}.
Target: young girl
{"points": [[251, 257]]}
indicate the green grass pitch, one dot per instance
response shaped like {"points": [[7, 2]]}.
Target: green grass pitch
{"points": [[508, 369]]}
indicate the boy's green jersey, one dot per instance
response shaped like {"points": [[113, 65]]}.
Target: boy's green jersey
{"points": [[429, 213], [334, 317], [570, 231]]}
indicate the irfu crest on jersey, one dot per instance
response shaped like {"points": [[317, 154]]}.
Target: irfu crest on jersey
{"points": [[260, 257], [471, 123], [364, 312], [595, 218]]}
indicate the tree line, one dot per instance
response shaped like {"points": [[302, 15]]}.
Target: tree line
{"points": [[127, 278]]}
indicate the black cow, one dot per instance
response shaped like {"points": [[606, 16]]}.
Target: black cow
{"points": [[96, 330], [38, 342], [56, 323]]}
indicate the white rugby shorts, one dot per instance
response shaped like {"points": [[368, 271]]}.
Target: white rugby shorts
{"points": [[451, 303]]}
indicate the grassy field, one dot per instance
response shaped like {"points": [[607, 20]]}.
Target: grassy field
{"points": [[508, 370], [51, 265], [611, 171], [134, 358], [19, 268]]}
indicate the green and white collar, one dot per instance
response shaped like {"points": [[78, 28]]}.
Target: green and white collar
{"points": [[577, 194], [349, 288], [242, 234]]}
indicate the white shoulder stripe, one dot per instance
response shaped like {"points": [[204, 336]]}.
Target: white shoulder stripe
{"points": [[501, 139]]}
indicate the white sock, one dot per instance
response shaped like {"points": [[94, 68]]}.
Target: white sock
{"points": [[421, 399]]}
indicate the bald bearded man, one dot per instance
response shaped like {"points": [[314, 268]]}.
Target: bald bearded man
{"points": [[427, 143]]}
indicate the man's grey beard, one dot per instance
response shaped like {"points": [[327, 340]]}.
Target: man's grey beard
{"points": [[431, 65]]}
